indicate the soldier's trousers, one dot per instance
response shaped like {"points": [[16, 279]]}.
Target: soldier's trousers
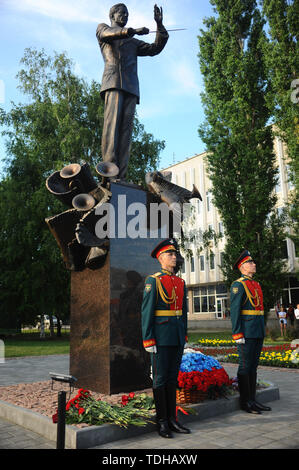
{"points": [[249, 355], [166, 364]]}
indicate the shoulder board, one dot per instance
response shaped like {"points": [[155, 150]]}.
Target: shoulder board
{"points": [[239, 281], [154, 275]]}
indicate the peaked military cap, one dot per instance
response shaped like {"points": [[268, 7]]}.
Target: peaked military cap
{"points": [[243, 258], [170, 244]]}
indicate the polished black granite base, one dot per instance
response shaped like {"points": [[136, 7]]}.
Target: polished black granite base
{"points": [[106, 352]]}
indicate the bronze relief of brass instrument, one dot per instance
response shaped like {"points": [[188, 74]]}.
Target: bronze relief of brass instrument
{"points": [[72, 180], [169, 192], [107, 170]]}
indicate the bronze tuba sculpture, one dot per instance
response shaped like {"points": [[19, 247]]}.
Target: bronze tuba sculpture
{"points": [[107, 170], [83, 202], [72, 180]]}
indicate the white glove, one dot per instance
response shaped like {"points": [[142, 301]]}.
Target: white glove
{"points": [[151, 349], [240, 341]]}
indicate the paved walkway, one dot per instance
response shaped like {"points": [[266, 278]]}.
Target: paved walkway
{"points": [[278, 429]]}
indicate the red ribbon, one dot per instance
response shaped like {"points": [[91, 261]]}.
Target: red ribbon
{"points": [[179, 408]]}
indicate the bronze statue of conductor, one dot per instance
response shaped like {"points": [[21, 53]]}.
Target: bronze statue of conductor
{"points": [[120, 87]]}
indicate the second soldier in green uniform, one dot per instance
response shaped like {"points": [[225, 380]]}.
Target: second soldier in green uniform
{"points": [[248, 328]]}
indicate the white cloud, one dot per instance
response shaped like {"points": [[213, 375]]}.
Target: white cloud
{"points": [[66, 10], [86, 11], [150, 109], [185, 79]]}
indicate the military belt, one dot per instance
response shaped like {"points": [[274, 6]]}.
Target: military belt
{"points": [[252, 312], [168, 313]]}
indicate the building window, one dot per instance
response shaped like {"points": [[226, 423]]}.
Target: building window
{"points": [[220, 228], [278, 184], [192, 265], [209, 204], [205, 297], [196, 304], [284, 254], [202, 262], [183, 269], [291, 292], [221, 259], [212, 261], [212, 306], [210, 229], [221, 290]]}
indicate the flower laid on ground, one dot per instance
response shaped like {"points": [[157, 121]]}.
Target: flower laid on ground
{"points": [[260, 383], [133, 409], [125, 398], [202, 373]]}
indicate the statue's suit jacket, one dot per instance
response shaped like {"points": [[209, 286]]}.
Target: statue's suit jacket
{"points": [[120, 54]]}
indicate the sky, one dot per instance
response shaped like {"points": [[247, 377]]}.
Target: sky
{"points": [[170, 83]]}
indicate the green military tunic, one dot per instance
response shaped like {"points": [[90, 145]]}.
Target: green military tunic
{"points": [[247, 309], [164, 324], [247, 317], [164, 310]]}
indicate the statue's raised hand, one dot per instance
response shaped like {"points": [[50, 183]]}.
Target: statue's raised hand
{"points": [[158, 14]]}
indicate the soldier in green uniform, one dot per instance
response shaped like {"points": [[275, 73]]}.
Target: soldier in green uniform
{"points": [[248, 330], [164, 330]]}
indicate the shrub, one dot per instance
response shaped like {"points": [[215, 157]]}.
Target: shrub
{"points": [[273, 333]]}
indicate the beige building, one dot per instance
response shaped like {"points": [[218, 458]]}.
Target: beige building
{"points": [[208, 297]]}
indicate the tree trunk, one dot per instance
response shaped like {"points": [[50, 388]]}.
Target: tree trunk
{"points": [[42, 327], [58, 326], [51, 326]]}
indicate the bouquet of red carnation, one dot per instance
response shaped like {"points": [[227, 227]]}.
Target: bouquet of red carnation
{"points": [[202, 373], [75, 403]]}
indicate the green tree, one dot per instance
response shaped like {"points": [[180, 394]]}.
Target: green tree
{"points": [[239, 142], [144, 156], [282, 60], [60, 124]]}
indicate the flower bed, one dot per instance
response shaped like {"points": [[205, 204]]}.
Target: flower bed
{"points": [[203, 373], [276, 358], [281, 355], [215, 342], [223, 351]]}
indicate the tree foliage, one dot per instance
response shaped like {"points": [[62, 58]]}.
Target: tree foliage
{"points": [[61, 123], [282, 61], [238, 139]]}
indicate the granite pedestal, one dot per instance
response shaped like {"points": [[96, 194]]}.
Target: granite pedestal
{"points": [[106, 353]]}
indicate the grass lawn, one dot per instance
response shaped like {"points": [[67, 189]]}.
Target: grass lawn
{"points": [[30, 344]]}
